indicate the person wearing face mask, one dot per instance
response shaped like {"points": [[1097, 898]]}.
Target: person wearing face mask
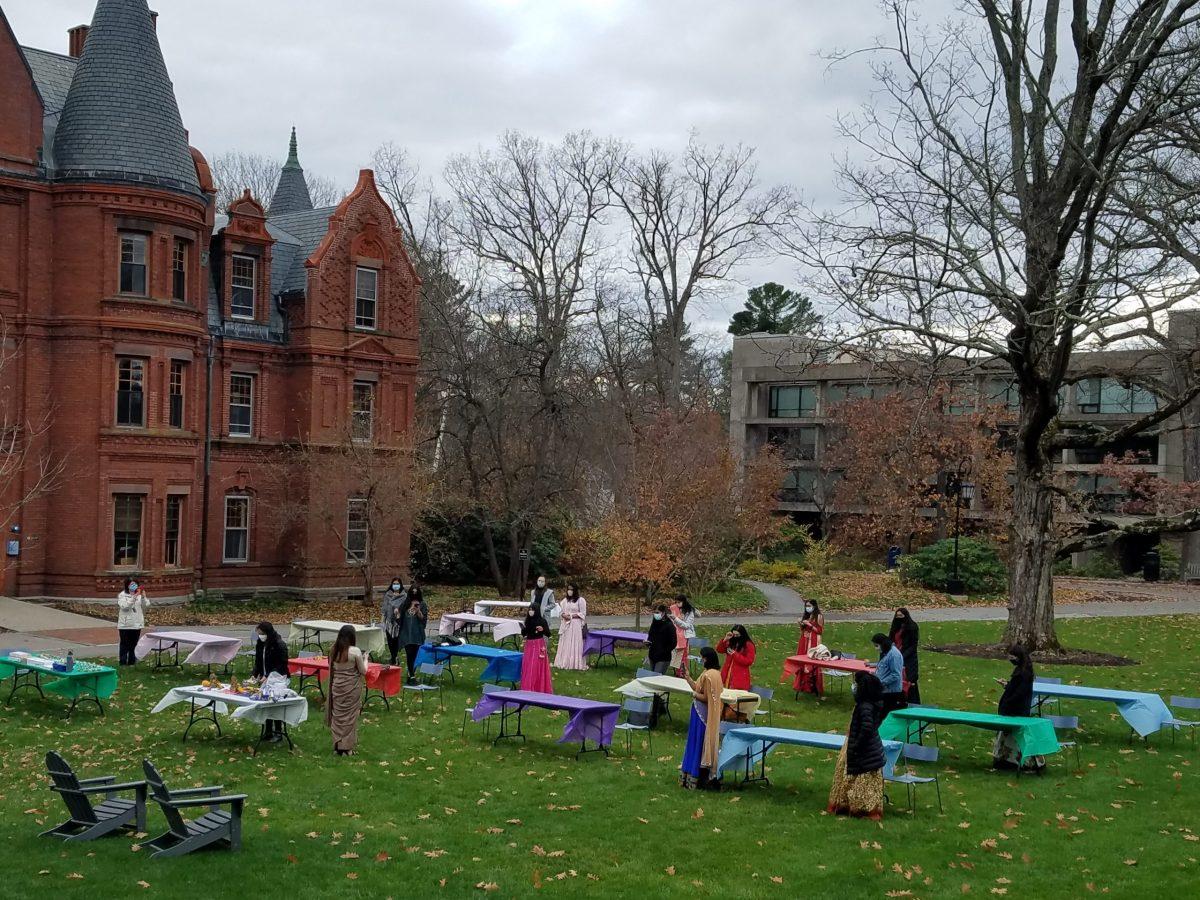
{"points": [[858, 776], [809, 680], [905, 634], [414, 618], [660, 642], [535, 661], [573, 613], [1015, 701], [270, 656], [131, 619], [890, 672], [389, 615], [543, 598]]}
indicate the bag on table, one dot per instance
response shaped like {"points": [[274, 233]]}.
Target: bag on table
{"points": [[820, 652]]}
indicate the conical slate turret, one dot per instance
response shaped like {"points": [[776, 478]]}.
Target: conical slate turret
{"points": [[120, 121]]}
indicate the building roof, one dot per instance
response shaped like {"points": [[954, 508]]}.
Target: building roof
{"points": [[52, 73], [120, 120], [307, 229], [291, 194]]}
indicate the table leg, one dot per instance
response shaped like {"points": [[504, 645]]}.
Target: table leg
{"points": [[504, 717], [211, 706], [583, 748], [26, 678], [95, 698], [160, 651]]}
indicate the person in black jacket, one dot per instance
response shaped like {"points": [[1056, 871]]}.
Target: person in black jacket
{"points": [[858, 779], [1016, 700], [270, 656], [905, 635], [660, 641]]}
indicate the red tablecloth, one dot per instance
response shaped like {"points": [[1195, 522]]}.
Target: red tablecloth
{"points": [[793, 664], [388, 679]]}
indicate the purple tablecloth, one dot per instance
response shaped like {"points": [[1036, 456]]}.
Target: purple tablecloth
{"points": [[604, 640], [591, 720]]}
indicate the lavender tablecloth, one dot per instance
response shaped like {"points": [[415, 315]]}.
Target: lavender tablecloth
{"points": [[501, 628], [209, 648], [591, 720], [605, 640]]}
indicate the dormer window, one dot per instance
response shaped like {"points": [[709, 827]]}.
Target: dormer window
{"points": [[243, 280], [366, 288], [133, 264]]}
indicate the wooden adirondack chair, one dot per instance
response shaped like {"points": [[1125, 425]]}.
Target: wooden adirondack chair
{"points": [[183, 836], [87, 821]]}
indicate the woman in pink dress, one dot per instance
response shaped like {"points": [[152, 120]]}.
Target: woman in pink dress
{"points": [[572, 615], [535, 664], [809, 680]]}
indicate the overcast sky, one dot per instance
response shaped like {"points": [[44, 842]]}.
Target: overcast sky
{"points": [[446, 76]]}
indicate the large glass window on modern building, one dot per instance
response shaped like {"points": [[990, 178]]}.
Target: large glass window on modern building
{"points": [[1003, 392], [1107, 395], [356, 529], [241, 405], [237, 529], [127, 530], [840, 393], [366, 289], [131, 392], [243, 279], [798, 486], [133, 264], [798, 443], [790, 401]]}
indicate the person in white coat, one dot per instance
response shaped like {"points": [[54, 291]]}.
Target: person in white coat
{"points": [[542, 598], [131, 619]]}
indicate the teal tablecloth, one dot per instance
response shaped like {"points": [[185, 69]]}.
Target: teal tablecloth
{"points": [[86, 678], [1034, 737]]}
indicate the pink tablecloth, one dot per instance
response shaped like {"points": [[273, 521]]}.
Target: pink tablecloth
{"points": [[209, 648]]}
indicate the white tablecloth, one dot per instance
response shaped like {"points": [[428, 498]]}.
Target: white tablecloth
{"points": [[484, 607], [501, 628], [294, 710], [208, 648], [368, 638], [744, 701]]}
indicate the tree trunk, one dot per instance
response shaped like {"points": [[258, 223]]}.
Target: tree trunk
{"points": [[1030, 585], [489, 544]]}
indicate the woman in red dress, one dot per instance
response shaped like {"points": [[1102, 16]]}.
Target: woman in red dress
{"points": [[810, 679], [739, 657]]}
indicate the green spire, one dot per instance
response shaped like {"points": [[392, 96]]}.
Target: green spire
{"points": [[293, 159]]}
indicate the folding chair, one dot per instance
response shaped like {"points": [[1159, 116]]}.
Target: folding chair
{"points": [[487, 722], [637, 718], [663, 696], [1039, 702], [1066, 723], [767, 694], [697, 644], [916, 753], [1174, 724], [303, 677], [429, 678], [838, 674]]}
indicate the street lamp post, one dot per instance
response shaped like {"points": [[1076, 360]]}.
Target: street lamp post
{"points": [[960, 489]]}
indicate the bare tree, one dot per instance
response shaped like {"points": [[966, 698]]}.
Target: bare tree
{"points": [[234, 171], [692, 220], [1029, 189]]}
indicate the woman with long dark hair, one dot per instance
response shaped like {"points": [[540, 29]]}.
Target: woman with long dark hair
{"points": [[414, 619], [535, 661], [890, 672], [683, 617], [809, 679], [699, 766], [347, 672], [739, 653], [1015, 701], [905, 634], [270, 657], [389, 615], [858, 776], [573, 614]]}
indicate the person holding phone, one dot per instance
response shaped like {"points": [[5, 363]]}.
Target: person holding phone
{"points": [[131, 619], [809, 680], [535, 657], [739, 653], [389, 616]]}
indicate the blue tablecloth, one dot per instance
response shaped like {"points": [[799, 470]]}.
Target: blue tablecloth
{"points": [[503, 665], [1145, 713], [743, 747]]}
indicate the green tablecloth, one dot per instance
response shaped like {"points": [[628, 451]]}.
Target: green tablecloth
{"points": [[86, 678], [1034, 737]]}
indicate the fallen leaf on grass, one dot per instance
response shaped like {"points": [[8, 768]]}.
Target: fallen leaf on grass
{"points": [[353, 876], [74, 875], [1131, 862], [349, 854], [778, 879], [670, 870], [143, 884], [382, 856], [698, 814], [487, 886]]}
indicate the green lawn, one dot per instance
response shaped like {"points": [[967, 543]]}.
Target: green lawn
{"points": [[421, 811]]}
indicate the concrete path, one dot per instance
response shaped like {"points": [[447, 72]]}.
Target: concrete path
{"points": [[781, 600]]}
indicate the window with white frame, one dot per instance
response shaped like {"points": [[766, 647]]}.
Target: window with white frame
{"points": [[243, 278], [366, 290], [133, 264], [362, 411], [237, 529], [241, 405], [356, 530]]}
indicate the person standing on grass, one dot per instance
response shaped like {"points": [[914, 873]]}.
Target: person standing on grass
{"points": [[347, 672], [739, 653], [660, 642], [389, 615], [809, 679], [535, 661], [858, 776], [890, 672], [699, 766], [543, 598], [1017, 700], [683, 617], [132, 604], [414, 619], [905, 635], [573, 614], [270, 657]]}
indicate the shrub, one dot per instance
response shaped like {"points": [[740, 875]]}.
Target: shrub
{"points": [[1172, 561], [771, 572], [979, 566], [1100, 565]]}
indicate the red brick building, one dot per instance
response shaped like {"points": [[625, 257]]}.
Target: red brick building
{"points": [[178, 346]]}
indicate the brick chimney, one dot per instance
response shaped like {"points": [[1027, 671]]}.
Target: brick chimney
{"points": [[75, 38]]}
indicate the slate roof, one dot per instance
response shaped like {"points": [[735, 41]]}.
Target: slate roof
{"points": [[120, 120], [291, 194], [307, 229], [52, 73]]}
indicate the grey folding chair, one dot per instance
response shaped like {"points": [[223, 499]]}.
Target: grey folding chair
{"points": [[487, 722], [916, 753], [1175, 724], [664, 696], [767, 694], [637, 718], [1039, 702], [1066, 723], [428, 678], [837, 674], [697, 644]]}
